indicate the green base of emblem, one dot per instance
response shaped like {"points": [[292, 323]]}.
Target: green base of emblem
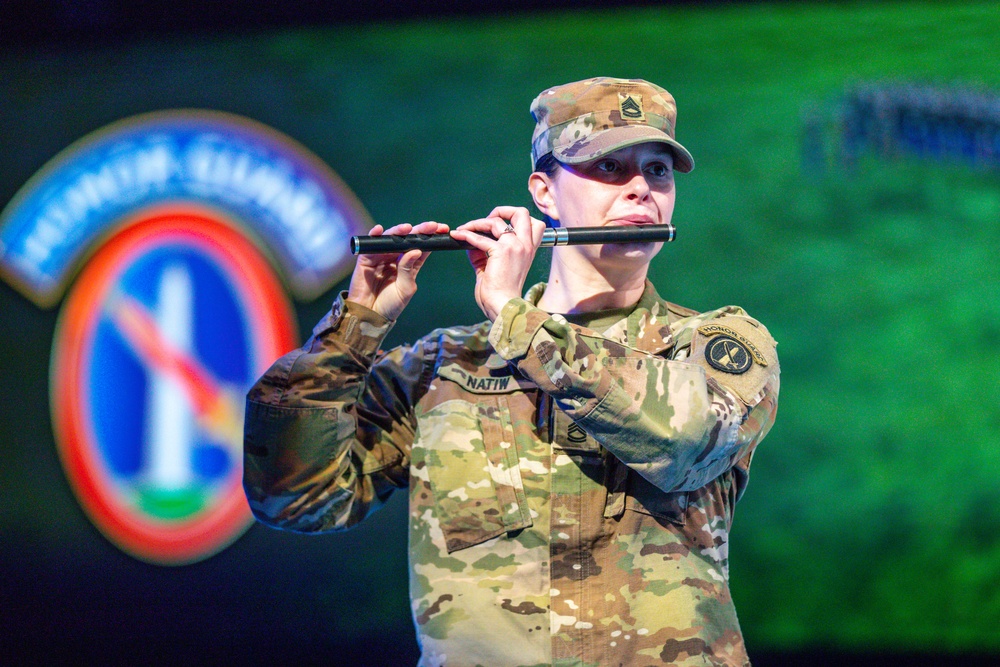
{"points": [[172, 503]]}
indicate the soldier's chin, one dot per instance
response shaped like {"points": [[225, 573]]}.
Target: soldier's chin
{"points": [[640, 250]]}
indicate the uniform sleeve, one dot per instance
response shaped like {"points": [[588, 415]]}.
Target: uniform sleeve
{"points": [[679, 424], [329, 427]]}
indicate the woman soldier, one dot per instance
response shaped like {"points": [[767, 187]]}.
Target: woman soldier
{"points": [[573, 462]]}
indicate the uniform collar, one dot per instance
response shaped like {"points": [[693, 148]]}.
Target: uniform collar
{"points": [[648, 325]]}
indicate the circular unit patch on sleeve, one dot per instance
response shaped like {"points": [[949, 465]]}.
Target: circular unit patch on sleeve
{"points": [[728, 355]]}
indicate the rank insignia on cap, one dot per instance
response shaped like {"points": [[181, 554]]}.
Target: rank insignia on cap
{"points": [[728, 355], [630, 106]]}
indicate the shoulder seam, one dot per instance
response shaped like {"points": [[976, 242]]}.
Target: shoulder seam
{"points": [[680, 310]]}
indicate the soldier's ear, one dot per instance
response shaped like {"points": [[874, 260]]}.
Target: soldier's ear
{"points": [[541, 187]]}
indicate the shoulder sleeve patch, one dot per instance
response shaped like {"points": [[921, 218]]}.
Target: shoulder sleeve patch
{"points": [[738, 352], [741, 342]]}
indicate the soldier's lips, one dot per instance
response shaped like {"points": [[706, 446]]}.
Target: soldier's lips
{"points": [[634, 220]]}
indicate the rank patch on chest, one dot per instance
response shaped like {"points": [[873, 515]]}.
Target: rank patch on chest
{"points": [[728, 355], [575, 434], [630, 106]]}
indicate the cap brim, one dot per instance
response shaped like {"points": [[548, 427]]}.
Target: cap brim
{"points": [[607, 141]]}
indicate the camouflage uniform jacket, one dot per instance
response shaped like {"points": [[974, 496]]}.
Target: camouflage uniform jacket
{"points": [[570, 495]]}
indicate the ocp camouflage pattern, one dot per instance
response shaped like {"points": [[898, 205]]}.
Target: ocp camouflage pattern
{"points": [[570, 493], [574, 121]]}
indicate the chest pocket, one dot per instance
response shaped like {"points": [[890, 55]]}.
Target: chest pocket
{"points": [[473, 462]]}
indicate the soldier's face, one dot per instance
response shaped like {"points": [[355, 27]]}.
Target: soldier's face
{"points": [[632, 186]]}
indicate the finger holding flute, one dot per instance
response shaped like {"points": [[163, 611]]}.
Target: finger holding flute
{"points": [[503, 247], [386, 282]]}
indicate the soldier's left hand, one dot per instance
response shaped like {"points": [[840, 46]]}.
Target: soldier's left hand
{"points": [[502, 262]]}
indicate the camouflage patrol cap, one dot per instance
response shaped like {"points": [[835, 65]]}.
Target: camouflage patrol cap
{"points": [[583, 120]]}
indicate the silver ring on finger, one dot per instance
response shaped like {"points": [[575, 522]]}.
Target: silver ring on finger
{"points": [[508, 230]]}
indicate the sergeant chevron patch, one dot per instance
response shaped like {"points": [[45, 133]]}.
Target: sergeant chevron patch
{"points": [[630, 106]]}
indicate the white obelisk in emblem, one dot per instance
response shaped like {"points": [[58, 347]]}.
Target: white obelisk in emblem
{"points": [[170, 420]]}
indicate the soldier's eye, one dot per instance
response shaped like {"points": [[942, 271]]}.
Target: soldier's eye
{"points": [[658, 169], [607, 166]]}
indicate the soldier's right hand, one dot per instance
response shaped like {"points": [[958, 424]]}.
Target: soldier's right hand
{"points": [[385, 283]]}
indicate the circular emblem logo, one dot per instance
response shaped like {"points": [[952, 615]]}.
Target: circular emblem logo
{"points": [[166, 327], [171, 226], [728, 355]]}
